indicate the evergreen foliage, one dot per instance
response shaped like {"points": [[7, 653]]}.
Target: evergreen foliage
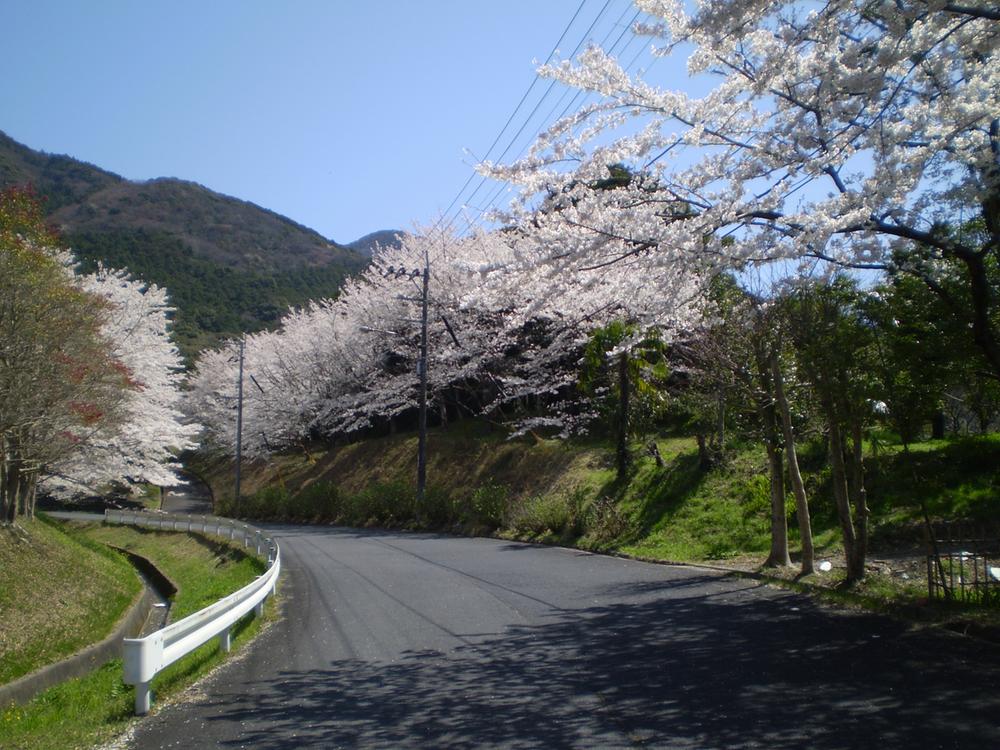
{"points": [[213, 301]]}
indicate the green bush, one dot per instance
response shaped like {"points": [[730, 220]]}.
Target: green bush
{"points": [[488, 505], [548, 514], [605, 521], [381, 503], [316, 501], [267, 502], [755, 496], [438, 508]]}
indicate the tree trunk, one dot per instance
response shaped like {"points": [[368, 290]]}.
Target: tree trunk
{"points": [[623, 406], [838, 476], [794, 475], [12, 478], [779, 526], [771, 432], [859, 496], [938, 423], [8, 505], [654, 450], [704, 456], [982, 292], [720, 427], [30, 492], [6, 515]]}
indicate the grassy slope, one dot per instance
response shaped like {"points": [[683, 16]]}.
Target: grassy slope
{"points": [[79, 713], [677, 512], [39, 622], [183, 558]]}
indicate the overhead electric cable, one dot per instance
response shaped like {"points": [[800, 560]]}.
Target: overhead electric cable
{"points": [[534, 111], [513, 114], [548, 120]]}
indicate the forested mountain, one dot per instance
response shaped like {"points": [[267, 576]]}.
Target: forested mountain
{"points": [[384, 238], [228, 264]]}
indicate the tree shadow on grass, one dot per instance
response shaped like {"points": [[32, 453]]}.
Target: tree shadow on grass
{"points": [[715, 667], [660, 491]]}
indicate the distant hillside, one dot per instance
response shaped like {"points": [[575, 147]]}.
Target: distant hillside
{"points": [[230, 265], [370, 242], [62, 180]]}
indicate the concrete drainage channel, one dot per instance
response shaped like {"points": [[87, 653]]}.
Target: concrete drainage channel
{"points": [[144, 640], [161, 588]]}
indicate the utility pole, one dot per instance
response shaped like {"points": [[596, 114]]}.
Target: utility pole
{"points": [[239, 425], [425, 275], [422, 370]]}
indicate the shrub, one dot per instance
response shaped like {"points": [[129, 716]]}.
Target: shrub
{"points": [[489, 505], [438, 508], [380, 503], [755, 497], [267, 502], [547, 514], [318, 500], [605, 522]]}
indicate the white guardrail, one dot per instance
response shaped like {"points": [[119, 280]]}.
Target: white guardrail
{"points": [[145, 657]]}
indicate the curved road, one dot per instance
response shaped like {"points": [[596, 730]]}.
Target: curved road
{"points": [[396, 640]]}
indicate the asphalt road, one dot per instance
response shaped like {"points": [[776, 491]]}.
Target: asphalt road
{"points": [[407, 640]]}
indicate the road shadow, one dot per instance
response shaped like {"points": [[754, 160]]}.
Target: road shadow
{"points": [[729, 670]]}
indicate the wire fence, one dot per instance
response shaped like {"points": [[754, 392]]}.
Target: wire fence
{"points": [[963, 563]]}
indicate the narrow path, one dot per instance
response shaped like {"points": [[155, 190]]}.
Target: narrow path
{"points": [[193, 497], [410, 640]]}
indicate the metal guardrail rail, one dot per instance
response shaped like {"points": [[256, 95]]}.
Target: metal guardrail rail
{"points": [[145, 657]]}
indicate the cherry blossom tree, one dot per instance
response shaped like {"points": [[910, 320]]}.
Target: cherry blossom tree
{"points": [[89, 380], [860, 134], [498, 332], [55, 375], [142, 444]]}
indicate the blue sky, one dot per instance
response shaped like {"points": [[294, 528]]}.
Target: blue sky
{"points": [[346, 116]]}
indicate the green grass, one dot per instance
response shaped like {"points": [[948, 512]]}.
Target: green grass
{"points": [[40, 622], [82, 712], [75, 714], [958, 478], [203, 570], [679, 512]]}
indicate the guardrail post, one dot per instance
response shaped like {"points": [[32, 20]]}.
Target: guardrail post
{"points": [[225, 640], [258, 608], [143, 698]]}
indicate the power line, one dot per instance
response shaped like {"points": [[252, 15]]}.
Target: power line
{"points": [[513, 114], [548, 91], [579, 96], [549, 119], [449, 218]]}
